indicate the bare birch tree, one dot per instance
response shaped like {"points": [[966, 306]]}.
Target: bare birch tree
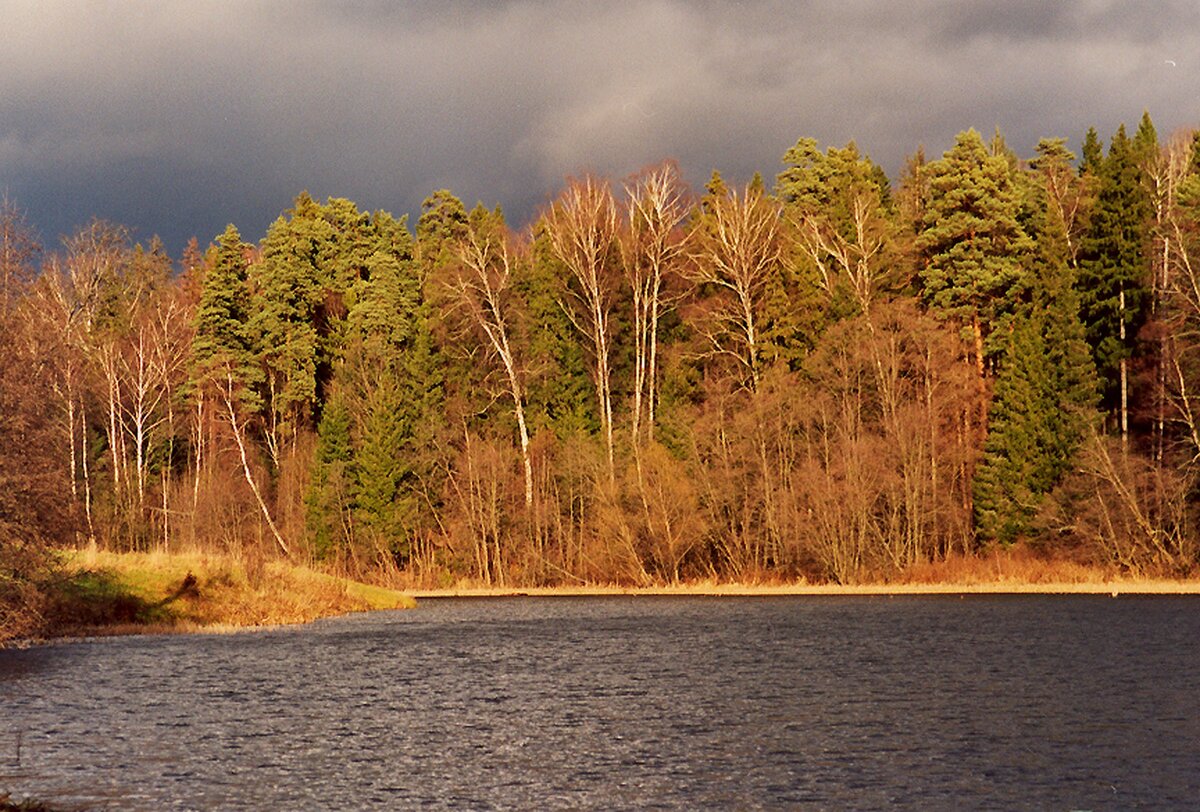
{"points": [[582, 227], [652, 247], [483, 286], [851, 250], [230, 398], [737, 250]]}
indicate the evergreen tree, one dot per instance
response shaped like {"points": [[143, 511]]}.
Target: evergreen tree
{"points": [[1016, 469], [1044, 399], [393, 379], [1112, 280], [912, 196], [1093, 153], [972, 245], [385, 503], [716, 189], [716, 186], [1042, 406], [328, 499], [386, 305], [221, 339], [1060, 193], [289, 285], [559, 388], [440, 229], [1145, 142], [839, 203]]}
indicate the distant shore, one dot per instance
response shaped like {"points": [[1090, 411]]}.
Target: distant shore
{"points": [[702, 589]]}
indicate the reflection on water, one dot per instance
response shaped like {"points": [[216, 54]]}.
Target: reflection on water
{"points": [[997, 702]]}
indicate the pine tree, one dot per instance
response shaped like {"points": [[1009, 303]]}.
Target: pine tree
{"points": [[1061, 193], [289, 285], [972, 245], [386, 305], [440, 229]]}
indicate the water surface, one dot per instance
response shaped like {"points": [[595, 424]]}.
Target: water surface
{"points": [[623, 702]]}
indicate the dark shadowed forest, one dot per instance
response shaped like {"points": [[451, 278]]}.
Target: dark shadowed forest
{"points": [[834, 376]]}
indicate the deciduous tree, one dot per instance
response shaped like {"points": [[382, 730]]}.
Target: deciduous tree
{"points": [[582, 230]]}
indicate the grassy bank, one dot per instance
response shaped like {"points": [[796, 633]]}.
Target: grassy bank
{"points": [[118, 593]]}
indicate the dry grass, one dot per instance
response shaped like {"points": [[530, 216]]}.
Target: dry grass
{"points": [[1017, 564], [120, 593], [1015, 569]]}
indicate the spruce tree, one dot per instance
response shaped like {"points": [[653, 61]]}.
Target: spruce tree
{"points": [[1015, 471], [559, 390], [1093, 153], [221, 339], [1145, 142], [393, 379], [382, 463], [1112, 282], [328, 499], [1044, 399]]}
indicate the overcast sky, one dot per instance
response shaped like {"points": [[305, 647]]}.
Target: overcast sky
{"points": [[175, 118]]}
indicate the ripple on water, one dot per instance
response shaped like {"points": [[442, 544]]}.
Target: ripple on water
{"points": [[1049, 702]]}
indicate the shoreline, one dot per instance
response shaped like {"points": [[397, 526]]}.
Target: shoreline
{"points": [[1147, 587], [1111, 588]]}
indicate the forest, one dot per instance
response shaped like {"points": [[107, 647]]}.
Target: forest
{"points": [[834, 377]]}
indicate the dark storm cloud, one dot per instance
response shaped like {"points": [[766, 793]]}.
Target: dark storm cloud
{"points": [[178, 118]]}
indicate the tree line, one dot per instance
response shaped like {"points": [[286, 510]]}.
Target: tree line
{"points": [[835, 378]]}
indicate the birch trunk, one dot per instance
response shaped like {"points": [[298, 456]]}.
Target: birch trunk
{"points": [[238, 437]]}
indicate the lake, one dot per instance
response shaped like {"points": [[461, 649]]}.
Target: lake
{"points": [[1004, 702]]}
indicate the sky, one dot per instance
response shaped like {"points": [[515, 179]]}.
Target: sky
{"points": [[176, 118]]}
